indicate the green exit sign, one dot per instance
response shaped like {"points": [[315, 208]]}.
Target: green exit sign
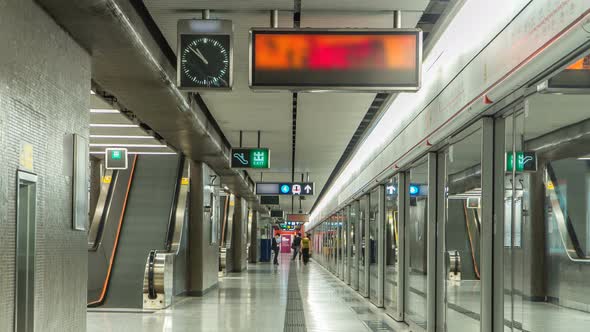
{"points": [[250, 158], [259, 158], [116, 158], [116, 154], [525, 161]]}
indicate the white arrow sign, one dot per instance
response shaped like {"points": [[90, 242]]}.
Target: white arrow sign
{"points": [[307, 189]]}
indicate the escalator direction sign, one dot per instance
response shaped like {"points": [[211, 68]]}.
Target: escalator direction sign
{"points": [[285, 188], [116, 158], [250, 158], [525, 161]]}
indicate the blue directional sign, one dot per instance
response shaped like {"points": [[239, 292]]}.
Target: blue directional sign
{"points": [[285, 188]]}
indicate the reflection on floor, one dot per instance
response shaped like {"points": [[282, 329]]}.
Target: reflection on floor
{"points": [[256, 300]]}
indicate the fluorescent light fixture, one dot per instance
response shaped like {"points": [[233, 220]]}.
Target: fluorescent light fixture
{"points": [[121, 136], [104, 111], [584, 158], [128, 145], [92, 92], [113, 125], [131, 152]]}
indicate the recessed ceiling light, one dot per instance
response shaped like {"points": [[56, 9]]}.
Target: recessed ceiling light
{"points": [[121, 136], [139, 152], [128, 145], [113, 125], [104, 111]]}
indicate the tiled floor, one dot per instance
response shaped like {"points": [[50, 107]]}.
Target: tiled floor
{"points": [[256, 300]]}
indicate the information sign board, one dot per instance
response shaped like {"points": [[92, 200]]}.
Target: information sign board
{"points": [[250, 158], [285, 188]]}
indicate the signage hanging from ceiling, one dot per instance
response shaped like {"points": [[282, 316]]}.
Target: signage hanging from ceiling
{"points": [[335, 59], [277, 214], [575, 79], [204, 55], [269, 200], [297, 217], [285, 188], [250, 158], [116, 158], [525, 161]]}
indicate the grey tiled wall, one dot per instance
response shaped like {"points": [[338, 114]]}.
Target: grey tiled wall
{"points": [[44, 90]]}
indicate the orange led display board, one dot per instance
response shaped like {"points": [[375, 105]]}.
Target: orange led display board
{"points": [[341, 59]]}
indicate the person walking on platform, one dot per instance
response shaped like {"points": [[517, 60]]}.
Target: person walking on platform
{"points": [[296, 246], [276, 241], [305, 247]]}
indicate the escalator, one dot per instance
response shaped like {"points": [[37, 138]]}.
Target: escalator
{"points": [[134, 217]]}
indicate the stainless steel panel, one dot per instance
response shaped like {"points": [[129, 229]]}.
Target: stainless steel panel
{"points": [[26, 210], [431, 243], [487, 226]]}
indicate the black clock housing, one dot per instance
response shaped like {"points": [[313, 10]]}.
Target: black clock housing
{"points": [[205, 61]]}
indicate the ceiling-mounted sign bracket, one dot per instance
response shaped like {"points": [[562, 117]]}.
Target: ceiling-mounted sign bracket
{"points": [[204, 54]]}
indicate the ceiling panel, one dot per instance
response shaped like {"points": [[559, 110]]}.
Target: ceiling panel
{"points": [[364, 6], [226, 5], [364, 19]]}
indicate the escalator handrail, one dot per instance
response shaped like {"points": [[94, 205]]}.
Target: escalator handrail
{"points": [[151, 284], [172, 216], [105, 286], [99, 217], [566, 230]]}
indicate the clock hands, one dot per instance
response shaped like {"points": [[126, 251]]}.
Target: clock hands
{"points": [[199, 54]]}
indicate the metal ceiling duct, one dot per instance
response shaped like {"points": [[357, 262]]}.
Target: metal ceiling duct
{"points": [[132, 61]]}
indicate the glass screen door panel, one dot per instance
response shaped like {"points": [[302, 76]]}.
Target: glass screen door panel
{"points": [[364, 247], [416, 244], [354, 244], [462, 231], [375, 243], [391, 287], [547, 215]]}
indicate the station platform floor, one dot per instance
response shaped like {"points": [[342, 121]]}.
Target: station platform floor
{"points": [[288, 297]]}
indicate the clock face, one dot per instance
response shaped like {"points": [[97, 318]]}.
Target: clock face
{"points": [[205, 61]]}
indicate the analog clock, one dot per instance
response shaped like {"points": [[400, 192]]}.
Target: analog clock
{"points": [[205, 61]]}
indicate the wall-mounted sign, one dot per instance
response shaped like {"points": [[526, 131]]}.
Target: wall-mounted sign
{"points": [[336, 59], [204, 54], [525, 161], [250, 158], [116, 158], [285, 188], [297, 217], [269, 200]]}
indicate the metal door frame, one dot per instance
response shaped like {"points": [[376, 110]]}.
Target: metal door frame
{"points": [[365, 224], [380, 237], [28, 293], [355, 259], [491, 165]]}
